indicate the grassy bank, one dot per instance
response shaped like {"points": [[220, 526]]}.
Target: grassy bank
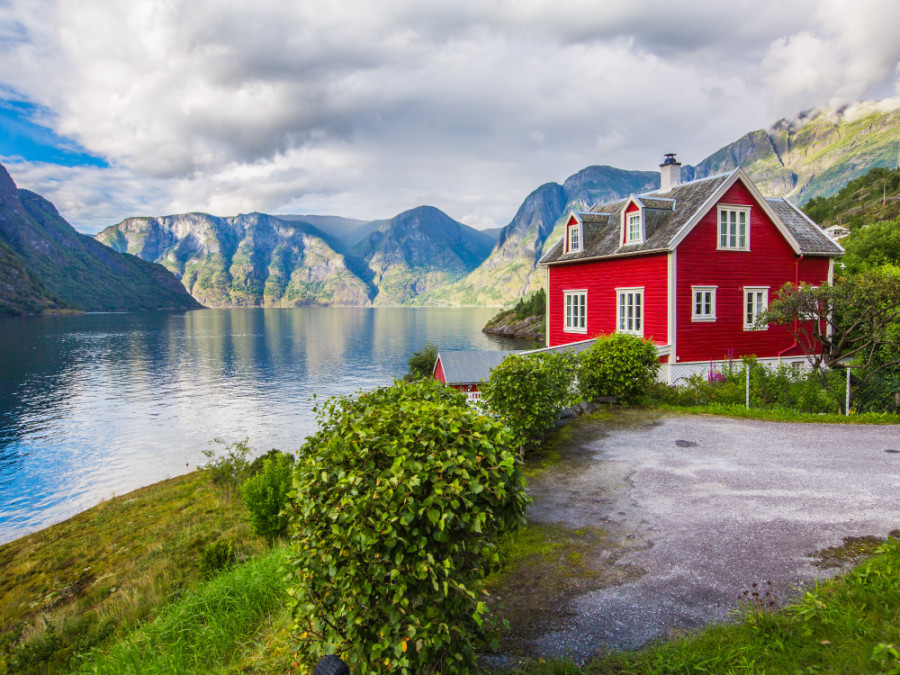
{"points": [[89, 580], [780, 414]]}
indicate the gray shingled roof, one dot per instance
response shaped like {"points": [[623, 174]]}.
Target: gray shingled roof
{"points": [[662, 223], [811, 237]]}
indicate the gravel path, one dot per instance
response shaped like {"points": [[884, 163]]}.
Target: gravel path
{"points": [[706, 507]]}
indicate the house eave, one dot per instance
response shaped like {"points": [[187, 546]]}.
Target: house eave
{"points": [[611, 256]]}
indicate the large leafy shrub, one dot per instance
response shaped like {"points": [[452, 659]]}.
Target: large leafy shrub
{"points": [[397, 501], [527, 392], [265, 495], [619, 365]]}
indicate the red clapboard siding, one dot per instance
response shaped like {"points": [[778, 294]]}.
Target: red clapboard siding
{"points": [[439, 372], [769, 262], [600, 278]]}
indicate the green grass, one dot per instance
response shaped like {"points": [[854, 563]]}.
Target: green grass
{"points": [[780, 414], [205, 628], [848, 625], [86, 581]]}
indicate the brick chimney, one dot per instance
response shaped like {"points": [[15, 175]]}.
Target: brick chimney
{"points": [[669, 173]]}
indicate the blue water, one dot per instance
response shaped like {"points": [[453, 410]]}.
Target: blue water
{"points": [[97, 405]]}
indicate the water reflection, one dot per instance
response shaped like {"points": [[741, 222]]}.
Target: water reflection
{"points": [[100, 404]]}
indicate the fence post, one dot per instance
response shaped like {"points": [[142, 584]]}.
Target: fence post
{"points": [[747, 382], [847, 402]]}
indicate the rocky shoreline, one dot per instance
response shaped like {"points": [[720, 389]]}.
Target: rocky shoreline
{"points": [[530, 328]]}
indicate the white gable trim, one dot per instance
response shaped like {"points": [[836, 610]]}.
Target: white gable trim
{"points": [[623, 220], [736, 175], [579, 223]]}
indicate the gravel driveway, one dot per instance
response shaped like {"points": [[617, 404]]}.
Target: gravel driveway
{"points": [[705, 507]]}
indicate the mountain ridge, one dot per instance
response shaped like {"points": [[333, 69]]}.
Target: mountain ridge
{"points": [[48, 265]]}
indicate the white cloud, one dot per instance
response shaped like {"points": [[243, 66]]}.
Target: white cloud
{"points": [[364, 109]]}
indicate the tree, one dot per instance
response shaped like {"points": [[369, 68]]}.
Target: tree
{"points": [[421, 363], [853, 320]]}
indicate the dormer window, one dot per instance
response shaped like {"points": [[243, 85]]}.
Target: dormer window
{"points": [[574, 238], [633, 228]]}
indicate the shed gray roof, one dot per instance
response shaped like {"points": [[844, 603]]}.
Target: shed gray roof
{"points": [[470, 366], [474, 365], [667, 213]]}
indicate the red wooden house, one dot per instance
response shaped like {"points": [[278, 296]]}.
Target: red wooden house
{"points": [[689, 266]]}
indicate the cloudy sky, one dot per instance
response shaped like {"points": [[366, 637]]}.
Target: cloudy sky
{"points": [[367, 108]]}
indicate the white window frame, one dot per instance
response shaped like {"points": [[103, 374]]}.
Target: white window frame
{"points": [[703, 317], [750, 325], [634, 218], [570, 320], [576, 230], [630, 322], [736, 210]]}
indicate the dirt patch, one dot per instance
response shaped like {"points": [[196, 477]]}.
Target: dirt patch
{"points": [[553, 565], [850, 553]]}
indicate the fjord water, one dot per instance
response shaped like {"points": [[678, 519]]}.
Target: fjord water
{"points": [[99, 404]]}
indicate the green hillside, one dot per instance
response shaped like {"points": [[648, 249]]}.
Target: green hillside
{"points": [[21, 292], [46, 264], [871, 198]]}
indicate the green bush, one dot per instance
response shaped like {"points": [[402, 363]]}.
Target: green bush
{"points": [[256, 466], [771, 387], [527, 392], [421, 363], [619, 365], [398, 500], [265, 495], [228, 469]]}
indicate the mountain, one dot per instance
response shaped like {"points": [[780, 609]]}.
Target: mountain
{"points": [[815, 154], [420, 250], [510, 270], [346, 232], [45, 264], [250, 260]]}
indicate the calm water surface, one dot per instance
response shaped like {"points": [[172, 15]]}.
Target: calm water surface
{"points": [[100, 404]]}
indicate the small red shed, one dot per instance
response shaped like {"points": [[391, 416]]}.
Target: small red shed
{"points": [[689, 266]]}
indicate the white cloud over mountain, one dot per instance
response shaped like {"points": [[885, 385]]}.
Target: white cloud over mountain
{"points": [[364, 109]]}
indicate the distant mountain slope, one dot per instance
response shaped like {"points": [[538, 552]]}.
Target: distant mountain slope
{"points": [[814, 155], [420, 250], [46, 264], [250, 260], [511, 269], [872, 198], [346, 232]]}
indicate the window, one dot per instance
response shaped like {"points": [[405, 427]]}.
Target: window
{"points": [[631, 310], [704, 305], [734, 228], [576, 311], [756, 300], [574, 237], [633, 228]]}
